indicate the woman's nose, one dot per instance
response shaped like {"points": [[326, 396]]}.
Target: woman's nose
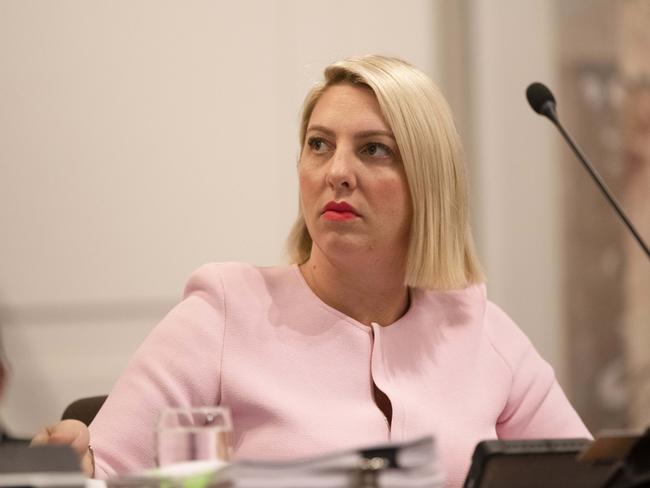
{"points": [[341, 174]]}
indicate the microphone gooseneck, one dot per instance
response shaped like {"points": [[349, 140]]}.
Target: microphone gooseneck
{"points": [[542, 101]]}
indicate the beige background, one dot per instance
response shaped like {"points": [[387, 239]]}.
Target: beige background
{"points": [[140, 139]]}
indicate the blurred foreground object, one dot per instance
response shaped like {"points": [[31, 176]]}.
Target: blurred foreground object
{"points": [[41, 466], [414, 464]]}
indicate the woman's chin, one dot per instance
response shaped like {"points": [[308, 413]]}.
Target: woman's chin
{"points": [[345, 247]]}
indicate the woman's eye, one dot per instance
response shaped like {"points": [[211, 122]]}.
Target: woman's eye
{"points": [[377, 149], [317, 144]]}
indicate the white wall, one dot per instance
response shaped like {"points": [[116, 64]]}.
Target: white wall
{"points": [[140, 139], [514, 158]]}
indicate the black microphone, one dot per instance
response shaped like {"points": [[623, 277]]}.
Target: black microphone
{"points": [[542, 101]]}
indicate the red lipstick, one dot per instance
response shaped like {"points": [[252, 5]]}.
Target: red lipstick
{"points": [[339, 211]]}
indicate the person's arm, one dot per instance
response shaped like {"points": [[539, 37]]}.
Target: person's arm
{"points": [[178, 364], [536, 406]]}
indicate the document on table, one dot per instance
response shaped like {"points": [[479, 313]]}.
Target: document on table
{"points": [[413, 464]]}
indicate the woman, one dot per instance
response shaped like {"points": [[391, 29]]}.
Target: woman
{"points": [[380, 331]]}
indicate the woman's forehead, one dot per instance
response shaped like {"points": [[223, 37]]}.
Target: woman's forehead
{"points": [[348, 105]]}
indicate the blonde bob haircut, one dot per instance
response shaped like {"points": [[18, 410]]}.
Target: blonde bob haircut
{"points": [[441, 251]]}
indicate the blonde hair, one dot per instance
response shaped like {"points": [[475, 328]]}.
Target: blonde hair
{"points": [[441, 252]]}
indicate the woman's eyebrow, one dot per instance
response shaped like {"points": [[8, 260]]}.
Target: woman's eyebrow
{"points": [[359, 135], [371, 133], [320, 128]]}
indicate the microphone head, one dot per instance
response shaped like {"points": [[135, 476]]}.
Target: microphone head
{"points": [[539, 96]]}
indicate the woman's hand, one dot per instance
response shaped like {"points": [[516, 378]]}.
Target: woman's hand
{"points": [[74, 434]]}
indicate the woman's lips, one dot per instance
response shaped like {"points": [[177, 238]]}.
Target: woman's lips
{"points": [[338, 216], [339, 211]]}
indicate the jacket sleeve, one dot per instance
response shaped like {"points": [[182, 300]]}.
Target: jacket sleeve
{"points": [[178, 364], [536, 407]]}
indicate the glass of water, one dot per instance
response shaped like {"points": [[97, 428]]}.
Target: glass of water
{"points": [[194, 434]]}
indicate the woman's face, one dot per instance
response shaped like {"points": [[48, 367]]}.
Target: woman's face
{"points": [[353, 190]]}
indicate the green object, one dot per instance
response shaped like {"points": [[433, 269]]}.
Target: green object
{"points": [[201, 480]]}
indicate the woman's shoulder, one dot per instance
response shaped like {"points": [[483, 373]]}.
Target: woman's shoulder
{"points": [[216, 270], [235, 270], [211, 279], [457, 308], [509, 341], [471, 307], [472, 298]]}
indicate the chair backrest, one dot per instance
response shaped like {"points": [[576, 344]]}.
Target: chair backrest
{"points": [[84, 409]]}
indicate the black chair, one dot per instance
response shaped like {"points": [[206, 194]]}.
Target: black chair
{"points": [[84, 409]]}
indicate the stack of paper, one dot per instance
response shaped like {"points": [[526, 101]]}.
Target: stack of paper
{"points": [[414, 464], [410, 465]]}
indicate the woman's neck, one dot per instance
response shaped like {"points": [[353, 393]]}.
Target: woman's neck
{"points": [[365, 293]]}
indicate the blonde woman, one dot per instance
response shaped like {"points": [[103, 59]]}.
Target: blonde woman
{"points": [[379, 331]]}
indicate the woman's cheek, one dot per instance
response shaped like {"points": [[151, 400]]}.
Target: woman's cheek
{"points": [[308, 189]]}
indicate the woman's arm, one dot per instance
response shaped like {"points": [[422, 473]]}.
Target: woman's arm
{"points": [[536, 406], [178, 364]]}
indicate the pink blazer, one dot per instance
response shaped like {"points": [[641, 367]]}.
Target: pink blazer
{"points": [[298, 375]]}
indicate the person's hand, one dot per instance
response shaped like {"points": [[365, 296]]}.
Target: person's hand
{"points": [[74, 434]]}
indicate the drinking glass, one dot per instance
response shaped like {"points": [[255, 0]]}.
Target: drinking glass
{"points": [[194, 434]]}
